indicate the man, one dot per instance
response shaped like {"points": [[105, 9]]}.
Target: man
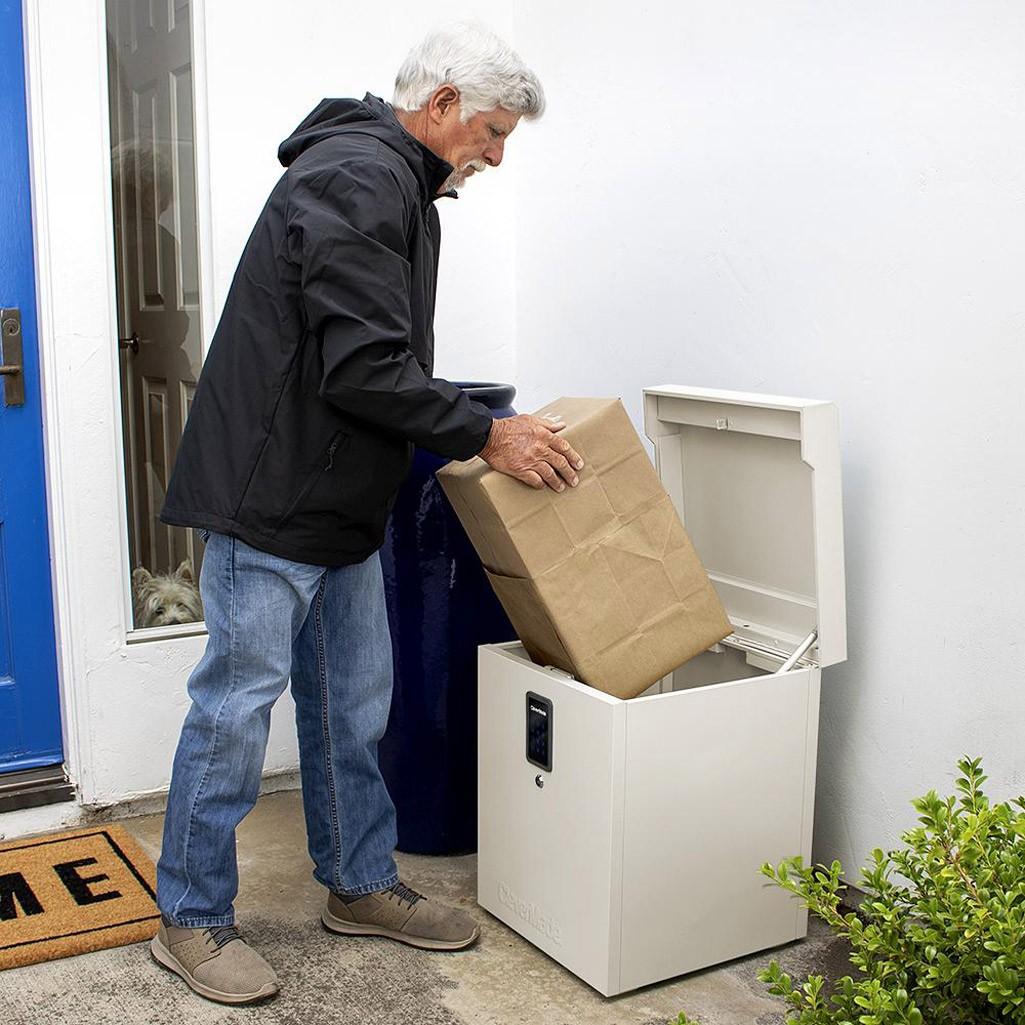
{"points": [[316, 387]]}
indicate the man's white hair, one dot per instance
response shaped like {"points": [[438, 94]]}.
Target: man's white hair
{"points": [[487, 72]]}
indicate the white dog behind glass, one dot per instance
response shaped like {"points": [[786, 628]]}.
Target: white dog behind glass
{"points": [[163, 599]]}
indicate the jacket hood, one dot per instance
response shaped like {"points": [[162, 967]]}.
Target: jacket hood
{"points": [[369, 116]]}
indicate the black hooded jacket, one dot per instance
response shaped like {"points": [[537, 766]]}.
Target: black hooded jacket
{"points": [[318, 381]]}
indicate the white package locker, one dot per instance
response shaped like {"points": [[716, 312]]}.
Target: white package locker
{"points": [[635, 856]]}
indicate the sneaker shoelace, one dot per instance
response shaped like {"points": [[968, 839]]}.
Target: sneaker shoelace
{"points": [[406, 893], [222, 934]]}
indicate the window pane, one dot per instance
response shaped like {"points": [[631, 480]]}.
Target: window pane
{"points": [[149, 49]]}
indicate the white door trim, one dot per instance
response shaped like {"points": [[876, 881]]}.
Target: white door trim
{"points": [[204, 201], [70, 650]]}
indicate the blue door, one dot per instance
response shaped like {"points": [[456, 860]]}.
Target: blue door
{"points": [[30, 732]]}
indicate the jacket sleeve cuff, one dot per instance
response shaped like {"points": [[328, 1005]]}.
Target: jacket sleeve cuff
{"points": [[478, 432]]}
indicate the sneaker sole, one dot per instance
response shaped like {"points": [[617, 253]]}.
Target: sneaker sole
{"points": [[166, 959], [340, 926]]}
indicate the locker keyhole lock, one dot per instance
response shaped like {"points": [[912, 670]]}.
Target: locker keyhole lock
{"points": [[539, 780]]}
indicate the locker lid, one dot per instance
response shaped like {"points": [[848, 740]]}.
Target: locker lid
{"points": [[756, 480]]}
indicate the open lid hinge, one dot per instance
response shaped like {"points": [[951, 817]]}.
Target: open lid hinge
{"points": [[789, 660]]}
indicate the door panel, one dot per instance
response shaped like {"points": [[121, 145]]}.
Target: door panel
{"points": [[157, 259], [30, 729]]}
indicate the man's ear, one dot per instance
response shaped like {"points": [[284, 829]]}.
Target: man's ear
{"points": [[444, 100]]}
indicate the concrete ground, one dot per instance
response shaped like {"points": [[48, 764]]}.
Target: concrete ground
{"points": [[503, 980]]}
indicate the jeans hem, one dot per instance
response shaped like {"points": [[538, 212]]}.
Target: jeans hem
{"points": [[201, 921], [361, 891]]}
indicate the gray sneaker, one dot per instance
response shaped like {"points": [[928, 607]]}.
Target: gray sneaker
{"points": [[401, 914], [216, 962]]}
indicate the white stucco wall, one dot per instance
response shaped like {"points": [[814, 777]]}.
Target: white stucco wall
{"points": [[824, 200]]}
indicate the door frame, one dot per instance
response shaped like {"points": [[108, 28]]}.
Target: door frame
{"points": [[109, 673], [32, 755]]}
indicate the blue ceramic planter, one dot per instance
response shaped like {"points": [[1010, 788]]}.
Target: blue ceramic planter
{"points": [[440, 607]]}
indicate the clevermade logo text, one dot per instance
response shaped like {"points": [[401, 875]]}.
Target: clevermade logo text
{"points": [[530, 913]]}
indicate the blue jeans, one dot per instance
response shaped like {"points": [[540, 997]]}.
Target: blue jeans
{"points": [[269, 619]]}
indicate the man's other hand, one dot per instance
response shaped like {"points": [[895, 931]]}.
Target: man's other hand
{"points": [[527, 448]]}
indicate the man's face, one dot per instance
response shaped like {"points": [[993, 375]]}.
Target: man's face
{"points": [[475, 144]]}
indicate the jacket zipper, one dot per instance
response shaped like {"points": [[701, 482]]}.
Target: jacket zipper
{"points": [[331, 454], [309, 485]]}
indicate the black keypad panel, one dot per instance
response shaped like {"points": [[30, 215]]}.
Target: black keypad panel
{"points": [[539, 731]]}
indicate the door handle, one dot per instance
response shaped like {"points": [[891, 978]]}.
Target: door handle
{"points": [[12, 368], [130, 343]]}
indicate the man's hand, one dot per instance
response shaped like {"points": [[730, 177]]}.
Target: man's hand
{"points": [[527, 448]]}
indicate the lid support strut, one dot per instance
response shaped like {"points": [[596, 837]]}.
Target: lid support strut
{"points": [[799, 652]]}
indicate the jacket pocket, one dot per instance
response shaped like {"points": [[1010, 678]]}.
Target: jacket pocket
{"points": [[326, 463]]}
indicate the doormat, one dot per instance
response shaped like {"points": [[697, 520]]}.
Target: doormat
{"points": [[74, 892]]}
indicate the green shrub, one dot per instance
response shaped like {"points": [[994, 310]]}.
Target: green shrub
{"points": [[940, 939]]}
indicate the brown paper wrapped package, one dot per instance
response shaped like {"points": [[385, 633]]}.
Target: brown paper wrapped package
{"points": [[600, 580]]}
